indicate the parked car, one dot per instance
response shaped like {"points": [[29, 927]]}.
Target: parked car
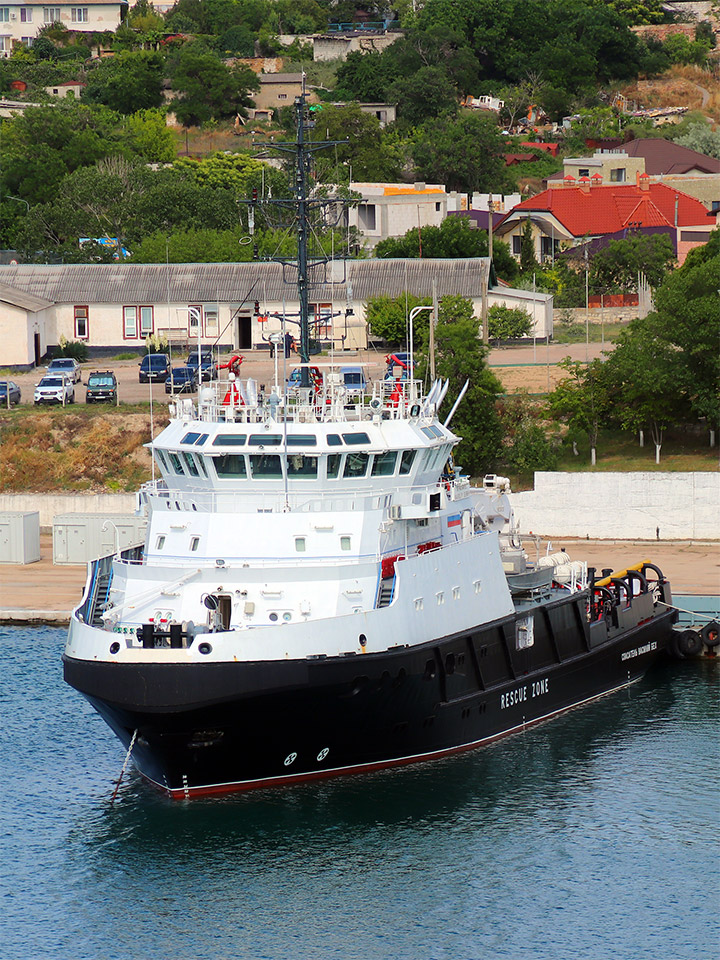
{"points": [[209, 367], [101, 386], [181, 380], [154, 366], [354, 379], [11, 388], [67, 365], [398, 366], [314, 375], [54, 389]]}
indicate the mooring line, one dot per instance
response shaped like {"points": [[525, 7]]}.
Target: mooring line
{"points": [[124, 766]]}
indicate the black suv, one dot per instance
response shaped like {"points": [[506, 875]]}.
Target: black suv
{"points": [[101, 385], [154, 366]]}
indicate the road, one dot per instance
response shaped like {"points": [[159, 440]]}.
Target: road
{"points": [[528, 367]]}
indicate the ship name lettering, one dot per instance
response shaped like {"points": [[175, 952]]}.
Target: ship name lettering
{"points": [[637, 651]]}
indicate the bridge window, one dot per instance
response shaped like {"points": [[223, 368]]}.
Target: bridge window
{"points": [[356, 464], [355, 439], [406, 462], [230, 440], [266, 466], [301, 467], [384, 464], [191, 465], [333, 465], [265, 439], [230, 466], [302, 440], [176, 465]]}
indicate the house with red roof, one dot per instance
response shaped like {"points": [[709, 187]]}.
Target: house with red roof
{"points": [[587, 208]]}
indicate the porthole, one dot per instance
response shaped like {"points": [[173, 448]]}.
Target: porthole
{"points": [[273, 617], [363, 639], [287, 617], [114, 647], [205, 648]]}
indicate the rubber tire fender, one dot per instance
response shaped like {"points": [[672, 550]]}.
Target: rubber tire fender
{"points": [[710, 634], [686, 644]]}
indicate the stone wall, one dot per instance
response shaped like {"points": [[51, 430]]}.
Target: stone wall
{"points": [[595, 315], [621, 506]]}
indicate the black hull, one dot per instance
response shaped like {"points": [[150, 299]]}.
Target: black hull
{"points": [[213, 728]]}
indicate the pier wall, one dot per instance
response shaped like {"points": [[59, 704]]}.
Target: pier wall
{"points": [[50, 505], [621, 506]]}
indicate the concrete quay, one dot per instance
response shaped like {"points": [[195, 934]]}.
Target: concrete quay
{"points": [[45, 593]]}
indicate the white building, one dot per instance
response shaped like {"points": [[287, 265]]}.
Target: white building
{"points": [[391, 209], [113, 307], [20, 22]]}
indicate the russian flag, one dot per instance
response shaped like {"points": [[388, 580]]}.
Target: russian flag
{"points": [[455, 520]]}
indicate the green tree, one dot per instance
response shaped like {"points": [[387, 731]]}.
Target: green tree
{"points": [[464, 154], [128, 82], [526, 446], [528, 260], [459, 357], [687, 318], [387, 317], [701, 137], [508, 323], [370, 155], [616, 267], [423, 95], [582, 400], [42, 145], [206, 89], [453, 239], [150, 137], [641, 374]]}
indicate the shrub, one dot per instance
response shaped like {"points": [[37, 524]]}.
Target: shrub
{"points": [[508, 323], [71, 348]]}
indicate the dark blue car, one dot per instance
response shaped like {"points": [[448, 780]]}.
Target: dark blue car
{"points": [[209, 368], [181, 380], [11, 388]]}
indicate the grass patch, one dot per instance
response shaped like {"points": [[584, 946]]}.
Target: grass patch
{"points": [[593, 333]]}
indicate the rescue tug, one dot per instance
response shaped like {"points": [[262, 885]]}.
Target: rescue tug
{"points": [[322, 592]]}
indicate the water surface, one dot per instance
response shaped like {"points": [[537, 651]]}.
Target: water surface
{"points": [[593, 836]]}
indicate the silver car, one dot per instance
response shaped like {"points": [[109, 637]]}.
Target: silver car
{"points": [[54, 389], [67, 365]]}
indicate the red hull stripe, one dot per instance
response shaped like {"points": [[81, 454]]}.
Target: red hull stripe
{"points": [[185, 793]]}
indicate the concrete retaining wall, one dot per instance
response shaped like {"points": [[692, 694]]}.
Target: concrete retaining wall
{"points": [[49, 505], [622, 506]]}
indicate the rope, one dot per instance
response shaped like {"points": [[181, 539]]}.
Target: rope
{"points": [[124, 766], [692, 613]]}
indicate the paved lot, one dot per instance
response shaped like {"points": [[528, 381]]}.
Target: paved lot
{"points": [[532, 368]]}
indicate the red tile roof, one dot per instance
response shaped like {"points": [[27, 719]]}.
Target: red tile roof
{"points": [[606, 209]]}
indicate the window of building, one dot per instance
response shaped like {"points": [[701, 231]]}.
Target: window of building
{"points": [[366, 216], [79, 14], [714, 206], [549, 247], [321, 320], [146, 321], [28, 41], [437, 207], [194, 320], [517, 245], [211, 320], [51, 14], [4, 15], [130, 330], [5, 44], [584, 172], [81, 323], [282, 96], [26, 14], [617, 175]]}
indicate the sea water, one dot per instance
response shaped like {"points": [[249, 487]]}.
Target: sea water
{"points": [[592, 836]]}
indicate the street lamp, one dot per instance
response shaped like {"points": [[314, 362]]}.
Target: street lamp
{"points": [[413, 313]]}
